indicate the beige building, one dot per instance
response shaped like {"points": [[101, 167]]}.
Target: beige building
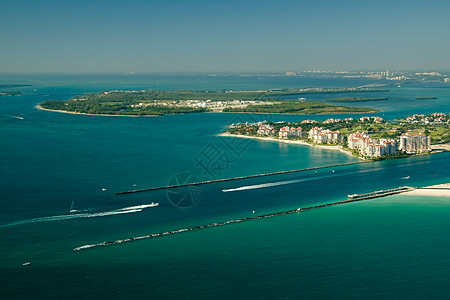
{"points": [[415, 143], [370, 147], [266, 130], [325, 136], [290, 132]]}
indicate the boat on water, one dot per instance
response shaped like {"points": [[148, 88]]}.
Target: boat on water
{"points": [[407, 177]]}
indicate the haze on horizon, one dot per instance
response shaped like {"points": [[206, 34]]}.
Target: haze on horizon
{"points": [[50, 36]]}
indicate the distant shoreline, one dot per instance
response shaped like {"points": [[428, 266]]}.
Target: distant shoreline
{"points": [[86, 114], [298, 142]]}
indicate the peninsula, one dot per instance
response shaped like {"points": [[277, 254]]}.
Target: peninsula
{"points": [[367, 137], [158, 103]]}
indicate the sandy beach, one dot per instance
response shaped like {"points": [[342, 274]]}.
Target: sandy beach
{"points": [[327, 147], [440, 190], [445, 147], [103, 115]]}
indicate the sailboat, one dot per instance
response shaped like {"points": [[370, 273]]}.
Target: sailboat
{"points": [[72, 210]]}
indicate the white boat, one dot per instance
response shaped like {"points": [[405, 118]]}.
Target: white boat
{"points": [[26, 263]]}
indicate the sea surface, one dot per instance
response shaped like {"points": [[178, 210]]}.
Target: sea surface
{"points": [[392, 247]]}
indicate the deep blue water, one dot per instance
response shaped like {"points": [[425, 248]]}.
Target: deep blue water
{"points": [[387, 248]]}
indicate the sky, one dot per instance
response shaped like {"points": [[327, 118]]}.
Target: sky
{"points": [[52, 36]]}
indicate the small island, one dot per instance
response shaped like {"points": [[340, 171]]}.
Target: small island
{"points": [[158, 103], [369, 138], [426, 98], [10, 93]]}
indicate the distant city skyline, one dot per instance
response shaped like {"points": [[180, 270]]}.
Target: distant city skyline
{"points": [[140, 36]]}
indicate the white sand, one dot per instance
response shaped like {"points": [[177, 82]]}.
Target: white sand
{"points": [[445, 147], [103, 115], [440, 190], [327, 147]]}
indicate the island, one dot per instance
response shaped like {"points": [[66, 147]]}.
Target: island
{"points": [[369, 138], [158, 103], [10, 93], [426, 98]]}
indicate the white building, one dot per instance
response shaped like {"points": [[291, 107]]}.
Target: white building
{"points": [[325, 136], [415, 143], [370, 147], [290, 132], [374, 119], [265, 129]]}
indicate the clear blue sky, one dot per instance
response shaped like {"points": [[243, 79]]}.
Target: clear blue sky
{"points": [[227, 35]]}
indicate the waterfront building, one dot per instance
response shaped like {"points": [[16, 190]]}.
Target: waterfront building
{"points": [[314, 131], [390, 147], [415, 143], [291, 132], [309, 121], [298, 132], [330, 121], [325, 136], [370, 147], [359, 140], [374, 119], [266, 130]]}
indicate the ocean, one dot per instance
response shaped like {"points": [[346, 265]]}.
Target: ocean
{"points": [[393, 247]]}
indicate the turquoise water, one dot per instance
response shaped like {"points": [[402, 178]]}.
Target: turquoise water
{"points": [[394, 247]]}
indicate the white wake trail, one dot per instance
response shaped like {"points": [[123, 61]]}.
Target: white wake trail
{"points": [[125, 210]]}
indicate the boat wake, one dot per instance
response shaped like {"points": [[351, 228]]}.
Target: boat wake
{"points": [[272, 184], [125, 210], [17, 117]]}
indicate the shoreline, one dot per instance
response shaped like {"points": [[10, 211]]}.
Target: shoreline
{"points": [[439, 190], [298, 142], [437, 148], [440, 147], [86, 114], [212, 111]]}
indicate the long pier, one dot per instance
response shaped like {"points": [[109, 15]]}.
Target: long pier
{"points": [[382, 193], [237, 178], [154, 235]]}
